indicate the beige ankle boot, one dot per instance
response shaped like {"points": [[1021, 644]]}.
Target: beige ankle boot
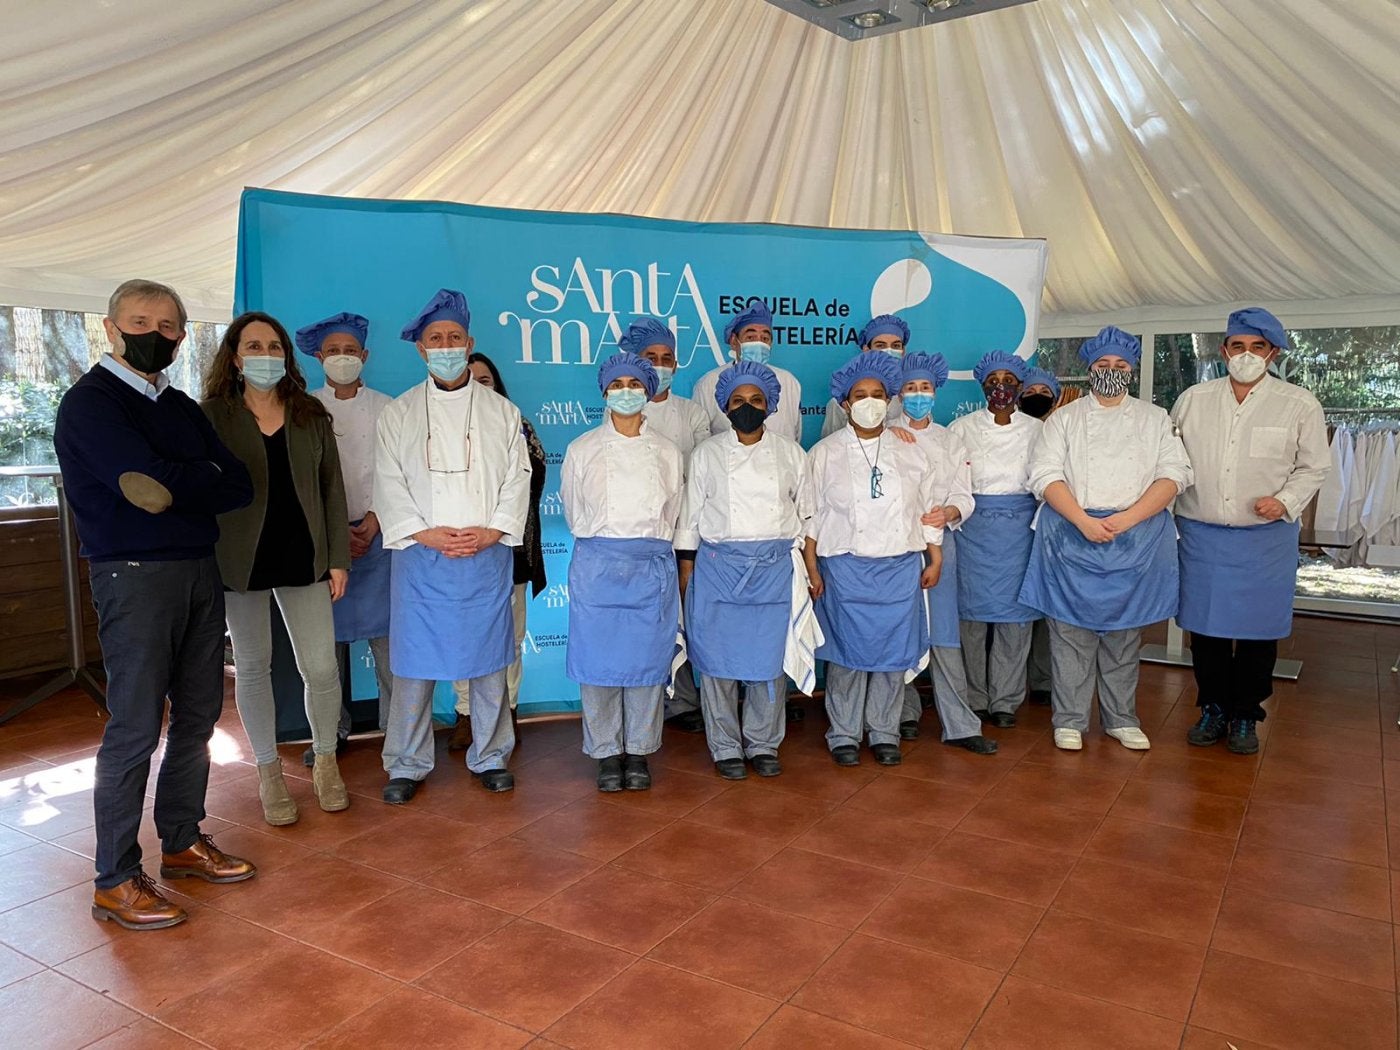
{"points": [[277, 803], [329, 788]]}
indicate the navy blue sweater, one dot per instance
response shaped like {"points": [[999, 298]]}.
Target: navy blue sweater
{"points": [[105, 429]]}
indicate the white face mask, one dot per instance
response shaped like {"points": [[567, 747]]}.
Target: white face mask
{"points": [[342, 368], [869, 412], [1246, 367]]}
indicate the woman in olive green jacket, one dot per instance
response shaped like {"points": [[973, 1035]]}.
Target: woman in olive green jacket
{"points": [[291, 545]]}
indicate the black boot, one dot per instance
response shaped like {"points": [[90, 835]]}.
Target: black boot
{"points": [[610, 774], [635, 774]]}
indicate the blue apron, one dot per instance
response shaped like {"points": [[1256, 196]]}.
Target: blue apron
{"points": [[943, 599], [363, 612], [624, 606], [1128, 582], [736, 609], [450, 616], [996, 546], [1237, 581], [872, 612]]}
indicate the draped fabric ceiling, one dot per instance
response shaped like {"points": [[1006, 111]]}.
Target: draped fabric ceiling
{"points": [[1175, 153]]}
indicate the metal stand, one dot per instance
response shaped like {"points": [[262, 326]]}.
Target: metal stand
{"points": [[77, 672], [1175, 654]]}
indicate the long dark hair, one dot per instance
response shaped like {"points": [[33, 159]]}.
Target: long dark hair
{"points": [[495, 372], [223, 382]]}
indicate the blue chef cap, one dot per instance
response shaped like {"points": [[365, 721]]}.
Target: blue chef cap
{"points": [[999, 361], [310, 338], [756, 313], [747, 373], [924, 366], [625, 364], [647, 331], [1255, 320], [866, 366], [1111, 340], [447, 305], [885, 324], [1039, 376]]}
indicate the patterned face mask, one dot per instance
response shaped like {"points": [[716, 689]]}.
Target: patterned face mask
{"points": [[1109, 382]]}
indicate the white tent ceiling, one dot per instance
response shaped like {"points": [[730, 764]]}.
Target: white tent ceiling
{"points": [[1177, 154]]}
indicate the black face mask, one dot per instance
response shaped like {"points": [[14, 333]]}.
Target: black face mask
{"points": [[1038, 405], [148, 352], [746, 418]]}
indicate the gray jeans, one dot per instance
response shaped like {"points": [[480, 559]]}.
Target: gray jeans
{"points": [[307, 613]]}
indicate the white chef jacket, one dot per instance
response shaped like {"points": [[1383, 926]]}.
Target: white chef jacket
{"points": [[847, 520], [492, 490], [1108, 456], [680, 420], [835, 416], [620, 487], [355, 419], [745, 492], [952, 468], [1273, 443], [1000, 456], [787, 420]]}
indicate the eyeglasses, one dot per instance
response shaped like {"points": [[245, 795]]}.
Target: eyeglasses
{"points": [[428, 422], [876, 476]]}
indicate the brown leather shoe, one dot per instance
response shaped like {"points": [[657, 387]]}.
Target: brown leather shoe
{"points": [[461, 737], [206, 861], [136, 904]]}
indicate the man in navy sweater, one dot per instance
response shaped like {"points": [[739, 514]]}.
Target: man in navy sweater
{"points": [[145, 476]]}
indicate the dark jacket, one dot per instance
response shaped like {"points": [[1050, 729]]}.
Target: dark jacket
{"points": [[529, 556]]}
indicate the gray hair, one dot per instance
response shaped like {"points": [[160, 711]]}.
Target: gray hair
{"points": [[141, 289]]}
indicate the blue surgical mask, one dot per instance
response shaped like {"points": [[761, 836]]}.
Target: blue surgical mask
{"points": [[449, 364], [264, 373], [919, 405], [757, 352], [664, 376], [626, 402], [894, 351]]}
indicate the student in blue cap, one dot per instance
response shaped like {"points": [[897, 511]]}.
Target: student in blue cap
{"points": [[749, 337], [886, 334], [1039, 396]]}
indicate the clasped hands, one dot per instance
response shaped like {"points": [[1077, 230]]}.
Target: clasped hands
{"points": [[458, 543]]}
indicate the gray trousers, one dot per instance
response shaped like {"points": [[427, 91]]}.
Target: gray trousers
{"points": [[379, 649], [621, 719], [857, 701], [1078, 657], [996, 681], [408, 735], [945, 667], [1038, 666], [307, 613], [685, 697], [765, 717]]}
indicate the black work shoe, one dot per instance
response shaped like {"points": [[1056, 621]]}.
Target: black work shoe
{"points": [[635, 774], [610, 774], [308, 757], [766, 765], [399, 790], [978, 745], [796, 712], [983, 715], [846, 755], [1004, 720], [1040, 697], [886, 754], [732, 769], [909, 730], [1211, 728], [496, 779], [1242, 739], [687, 722]]}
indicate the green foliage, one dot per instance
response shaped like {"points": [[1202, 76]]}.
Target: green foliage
{"points": [[27, 414]]}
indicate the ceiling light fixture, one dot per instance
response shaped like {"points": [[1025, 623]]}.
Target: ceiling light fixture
{"points": [[870, 19], [862, 19]]}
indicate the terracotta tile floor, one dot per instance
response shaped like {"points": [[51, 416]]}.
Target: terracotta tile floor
{"points": [[1182, 898]]}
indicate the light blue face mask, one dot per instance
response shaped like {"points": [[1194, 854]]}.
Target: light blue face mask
{"points": [[918, 405], [757, 352], [449, 364], [664, 376], [264, 373], [626, 402]]}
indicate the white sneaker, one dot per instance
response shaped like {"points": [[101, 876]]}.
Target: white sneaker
{"points": [[1069, 740], [1130, 737]]}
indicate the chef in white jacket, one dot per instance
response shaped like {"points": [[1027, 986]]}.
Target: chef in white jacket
{"points": [[747, 506], [749, 336], [922, 375], [1258, 447], [621, 486], [338, 343], [452, 490], [1104, 563], [874, 558], [887, 334]]}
